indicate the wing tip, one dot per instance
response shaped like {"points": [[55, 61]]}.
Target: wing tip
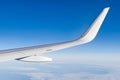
{"points": [[106, 8], [92, 31]]}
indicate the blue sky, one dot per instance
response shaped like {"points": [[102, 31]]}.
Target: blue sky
{"points": [[37, 22], [34, 22]]}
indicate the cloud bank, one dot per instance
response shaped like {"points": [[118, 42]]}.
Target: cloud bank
{"points": [[73, 76]]}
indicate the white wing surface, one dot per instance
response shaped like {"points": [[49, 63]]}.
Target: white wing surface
{"points": [[34, 53]]}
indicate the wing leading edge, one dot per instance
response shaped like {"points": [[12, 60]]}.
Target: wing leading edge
{"points": [[34, 53]]}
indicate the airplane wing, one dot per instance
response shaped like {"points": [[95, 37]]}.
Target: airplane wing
{"points": [[34, 53]]}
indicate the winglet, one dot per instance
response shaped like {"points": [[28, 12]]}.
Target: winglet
{"points": [[91, 33]]}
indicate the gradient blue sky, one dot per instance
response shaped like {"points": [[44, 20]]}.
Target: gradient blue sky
{"points": [[37, 22]]}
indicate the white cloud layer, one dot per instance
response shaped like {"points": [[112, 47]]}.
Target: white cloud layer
{"points": [[113, 73], [97, 67], [73, 76]]}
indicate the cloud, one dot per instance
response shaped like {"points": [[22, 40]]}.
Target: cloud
{"points": [[83, 69], [73, 76], [113, 73]]}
